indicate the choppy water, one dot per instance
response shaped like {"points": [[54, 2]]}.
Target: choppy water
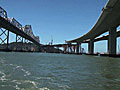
{"points": [[38, 71]]}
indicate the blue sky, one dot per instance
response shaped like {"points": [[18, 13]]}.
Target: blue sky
{"points": [[61, 19]]}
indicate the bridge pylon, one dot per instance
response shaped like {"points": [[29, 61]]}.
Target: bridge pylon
{"points": [[112, 41], [91, 46]]}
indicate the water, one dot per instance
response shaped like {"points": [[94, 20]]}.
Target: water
{"points": [[38, 71]]}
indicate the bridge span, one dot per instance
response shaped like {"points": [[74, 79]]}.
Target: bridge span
{"points": [[109, 20], [12, 25], [8, 26], [74, 48]]}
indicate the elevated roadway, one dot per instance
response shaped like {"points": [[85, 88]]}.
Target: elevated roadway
{"points": [[8, 26], [58, 45], [109, 20], [106, 37]]}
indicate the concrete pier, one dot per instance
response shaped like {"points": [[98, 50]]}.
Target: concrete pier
{"points": [[91, 46], [112, 41], [78, 47]]}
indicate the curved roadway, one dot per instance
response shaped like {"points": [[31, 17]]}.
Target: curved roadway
{"points": [[109, 18]]}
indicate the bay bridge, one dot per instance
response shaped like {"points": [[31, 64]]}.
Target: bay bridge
{"points": [[108, 21], [12, 25]]}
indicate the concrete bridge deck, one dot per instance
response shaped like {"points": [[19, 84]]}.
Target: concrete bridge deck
{"points": [[109, 20]]}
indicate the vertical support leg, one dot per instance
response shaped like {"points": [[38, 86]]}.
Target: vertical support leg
{"points": [[20, 40], [78, 47], [108, 46], [16, 42], [70, 48], [16, 38], [112, 41], [74, 49], [63, 48], [91, 46], [8, 39], [22, 45], [4, 38], [67, 49]]}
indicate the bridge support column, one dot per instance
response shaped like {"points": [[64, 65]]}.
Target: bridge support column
{"points": [[16, 38], [70, 46], [91, 46], [67, 49], [8, 39], [78, 47], [20, 40], [4, 37], [74, 48], [112, 41]]}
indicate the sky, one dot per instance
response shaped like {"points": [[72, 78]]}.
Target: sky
{"points": [[60, 19]]}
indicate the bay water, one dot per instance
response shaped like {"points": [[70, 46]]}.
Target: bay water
{"points": [[45, 71]]}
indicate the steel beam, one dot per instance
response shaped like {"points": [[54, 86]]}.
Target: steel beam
{"points": [[8, 39], [19, 38], [4, 39]]}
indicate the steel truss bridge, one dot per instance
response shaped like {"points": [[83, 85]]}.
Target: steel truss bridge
{"points": [[6, 27], [108, 21]]}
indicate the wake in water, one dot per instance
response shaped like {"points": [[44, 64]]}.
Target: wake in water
{"points": [[13, 76], [18, 77]]}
